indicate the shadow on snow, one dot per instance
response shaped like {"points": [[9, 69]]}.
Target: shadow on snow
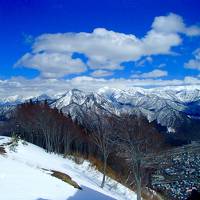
{"points": [[87, 193]]}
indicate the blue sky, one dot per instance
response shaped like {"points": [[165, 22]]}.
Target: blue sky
{"points": [[101, 43]]}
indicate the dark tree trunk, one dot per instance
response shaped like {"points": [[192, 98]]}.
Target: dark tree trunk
{"points": [[137, 172], [104, 171]]}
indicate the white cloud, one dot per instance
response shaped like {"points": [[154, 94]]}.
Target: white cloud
{"points": [[155, 43], [27, 88], [191, 80], [174, 24], [52, 65], [161, 65], [153, 74], [143, 61], [169, 24], [195, 62], [197, 54], [105, 49], [193, 31], [101, 73]]}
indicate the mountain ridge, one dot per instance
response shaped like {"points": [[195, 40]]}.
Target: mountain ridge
{"points": [[170, 107]]}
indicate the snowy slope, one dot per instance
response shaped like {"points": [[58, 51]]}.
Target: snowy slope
{"points": [[22, 177]]}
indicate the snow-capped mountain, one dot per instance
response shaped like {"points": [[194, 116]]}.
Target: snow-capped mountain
{"points": [[42, 97], [12, 100], [76, 103], [169, 106], [17, 99], [7, 105]]}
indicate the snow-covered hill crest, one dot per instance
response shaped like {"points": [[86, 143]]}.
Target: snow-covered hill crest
{"points": [[22, 177]]}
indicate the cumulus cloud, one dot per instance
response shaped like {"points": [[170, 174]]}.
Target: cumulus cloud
{"points": [[195, 62], [155, 42], [153, 74], [105, 49], [101, 73], [173, 23], [51, 64], [169, 24]]}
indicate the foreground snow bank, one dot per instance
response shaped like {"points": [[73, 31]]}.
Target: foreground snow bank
{"points": [[22, 177]]}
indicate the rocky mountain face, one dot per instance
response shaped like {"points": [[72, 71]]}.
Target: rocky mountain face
{"points": [[170, 107]]}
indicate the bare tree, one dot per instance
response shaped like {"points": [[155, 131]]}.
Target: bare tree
{"points": [[46, 127], [137, 140], [101, 133]]}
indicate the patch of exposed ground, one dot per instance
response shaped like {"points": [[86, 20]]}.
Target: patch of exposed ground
{"points": [[2, 150], [64, 177]]}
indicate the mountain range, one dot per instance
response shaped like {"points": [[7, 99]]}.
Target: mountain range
{"points": [[171, 107]]}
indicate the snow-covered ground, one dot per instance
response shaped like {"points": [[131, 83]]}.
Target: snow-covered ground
{"points": [[22, 177]]}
